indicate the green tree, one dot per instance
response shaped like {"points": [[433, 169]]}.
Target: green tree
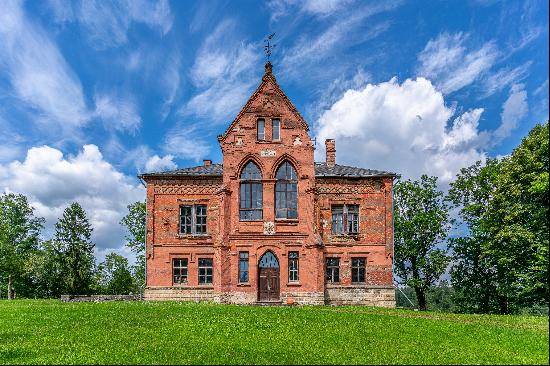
{"points": [[135, 223], [19, 237], [502, 264], [72, 242], [473, 270], [115, 275], [44, 268], [421, 224], [517, 223]]}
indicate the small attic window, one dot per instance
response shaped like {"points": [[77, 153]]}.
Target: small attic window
{"points": [[276, 130], [261, 130]]}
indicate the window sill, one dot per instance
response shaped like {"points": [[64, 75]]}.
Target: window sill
{"points": [[243, 284], [260, 220], [345, 236], [294, 284], [206, 285], [287, 221], [194, 236]]}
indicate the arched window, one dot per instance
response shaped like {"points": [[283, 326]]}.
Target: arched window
{"points": [[251, 193], [286, 192]]}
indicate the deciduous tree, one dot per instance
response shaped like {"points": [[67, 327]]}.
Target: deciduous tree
{"points": [[135, 223], [421, 225], [19, 237]]}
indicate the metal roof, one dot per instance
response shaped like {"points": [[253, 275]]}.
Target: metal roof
{"points": [[321, 170]]}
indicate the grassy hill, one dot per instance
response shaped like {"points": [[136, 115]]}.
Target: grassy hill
{"points": [[38, 331]]}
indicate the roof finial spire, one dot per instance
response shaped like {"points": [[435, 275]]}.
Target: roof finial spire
{"points": [[268, 48]]}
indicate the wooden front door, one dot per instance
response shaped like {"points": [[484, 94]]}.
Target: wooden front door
{"points": [[268, 281], [269, 284]]}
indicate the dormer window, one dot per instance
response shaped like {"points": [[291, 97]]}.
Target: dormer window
{"points": [[276, 130], [261, 130]]}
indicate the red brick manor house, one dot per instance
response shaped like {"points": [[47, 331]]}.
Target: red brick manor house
{"points": [[269, 224]]}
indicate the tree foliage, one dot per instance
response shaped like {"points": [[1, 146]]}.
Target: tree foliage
{"points": [[74, 249], [421, 225], [114, 275], [135, 223], [501, 264], [19, 238]]}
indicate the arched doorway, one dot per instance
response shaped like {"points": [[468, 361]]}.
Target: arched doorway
{"points": [[268, 272]]}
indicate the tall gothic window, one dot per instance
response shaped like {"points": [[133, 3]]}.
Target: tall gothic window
{"points": [[286, 192], [251, 207]]}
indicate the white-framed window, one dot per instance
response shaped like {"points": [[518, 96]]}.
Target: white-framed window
{"points": [[261, 129], [276, 124], [293, 267]]}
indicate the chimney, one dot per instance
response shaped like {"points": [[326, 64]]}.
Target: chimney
{"points": [[330, 147], [207, 162]]}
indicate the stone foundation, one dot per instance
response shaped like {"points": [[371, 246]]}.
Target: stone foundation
{"points": [[180, 294], [343, 295], [356, 295], [303, 298]]}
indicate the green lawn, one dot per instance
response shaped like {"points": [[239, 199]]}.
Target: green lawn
{"points": [[35, 331]]}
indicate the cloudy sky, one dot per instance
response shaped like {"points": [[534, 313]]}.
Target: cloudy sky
{"points": [[94, 92]]}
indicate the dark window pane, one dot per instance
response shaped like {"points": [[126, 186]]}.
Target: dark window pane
{"points": [[251, 197], [243, 266], [179, 270], [286, 192], [205, 270], [185, 219], [332, 270], [358, 269]]}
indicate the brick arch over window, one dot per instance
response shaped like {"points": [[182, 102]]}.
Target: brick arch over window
{"points": [[280, 160], [250, 192], [286, 191]]}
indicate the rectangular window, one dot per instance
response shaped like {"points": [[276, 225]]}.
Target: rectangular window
{"points": [[333, 270], [345, 219], [179, 270], [261, 130], [358, 270], [243, 267], [251, 201], [205, 271], [276, 129], [293, 266], [193, 219]]}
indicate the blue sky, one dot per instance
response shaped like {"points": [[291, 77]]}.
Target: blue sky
{"points": [[94, 92]]}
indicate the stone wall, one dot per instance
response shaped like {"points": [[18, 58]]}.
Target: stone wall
{"points": [[355, 295], [100, 298], [188, 294]]}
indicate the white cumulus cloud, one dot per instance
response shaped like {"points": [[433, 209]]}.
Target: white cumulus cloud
{"points": [[52, 181], [401, 128]]}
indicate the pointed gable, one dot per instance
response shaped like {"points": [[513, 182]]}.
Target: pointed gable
{"points": [[267, 98]]}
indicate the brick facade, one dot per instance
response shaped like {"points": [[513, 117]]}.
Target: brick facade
{"points": [[320, 187]]}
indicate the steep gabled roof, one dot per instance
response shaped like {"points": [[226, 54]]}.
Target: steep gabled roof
{"points": [[267, 78], [322, 170]]}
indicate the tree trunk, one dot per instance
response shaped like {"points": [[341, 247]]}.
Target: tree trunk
{"points": [[11, 292], [503, 304], [421, 298]]}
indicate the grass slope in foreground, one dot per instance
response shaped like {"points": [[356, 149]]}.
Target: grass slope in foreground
{"points": [[38, 331]]}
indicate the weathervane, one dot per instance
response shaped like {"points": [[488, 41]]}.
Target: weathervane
{"points": [[268, 48]]}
